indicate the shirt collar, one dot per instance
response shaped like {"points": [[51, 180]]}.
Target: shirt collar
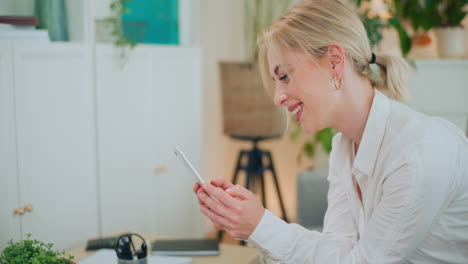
{"points": [[372, 137]]}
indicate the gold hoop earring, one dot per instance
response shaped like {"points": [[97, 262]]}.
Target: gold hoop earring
{"points": [[337, 83], [340, 86]]}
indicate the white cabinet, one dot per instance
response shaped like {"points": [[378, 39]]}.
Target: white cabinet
{"points": [[9, 199], [54, 149], [92, 151], [144, 109], [440, 88]]}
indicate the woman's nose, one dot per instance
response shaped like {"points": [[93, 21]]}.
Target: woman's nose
{"points": [[280, 97]]}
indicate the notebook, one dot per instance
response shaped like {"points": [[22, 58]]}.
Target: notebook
{"points": [[186, 247]]}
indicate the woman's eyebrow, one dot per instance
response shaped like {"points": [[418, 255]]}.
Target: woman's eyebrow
{"points": [[277, 69]]}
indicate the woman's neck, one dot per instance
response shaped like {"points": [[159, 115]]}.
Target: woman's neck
{"points": [[354, 108]]}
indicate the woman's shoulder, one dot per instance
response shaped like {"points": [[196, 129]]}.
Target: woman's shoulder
{"points": [[411, 135], [413, 126]]}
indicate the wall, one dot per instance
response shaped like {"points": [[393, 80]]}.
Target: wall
{"points": [[17, 7]]}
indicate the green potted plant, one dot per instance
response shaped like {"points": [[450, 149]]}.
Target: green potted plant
{"points": [[445, 16], [419, 17], [450, 34], [392, 16], [31, 251]]}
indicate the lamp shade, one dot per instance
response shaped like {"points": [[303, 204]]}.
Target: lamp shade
{"points": [[248, 111]]}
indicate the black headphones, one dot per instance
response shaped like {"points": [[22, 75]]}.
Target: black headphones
{"points": [[125, 247]]}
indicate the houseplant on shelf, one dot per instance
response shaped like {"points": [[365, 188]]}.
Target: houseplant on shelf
{"points": [[29, 251], [445, 16], [448, 15]]}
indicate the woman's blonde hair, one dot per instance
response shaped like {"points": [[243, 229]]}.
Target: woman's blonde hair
{"points": [[312, 25]]}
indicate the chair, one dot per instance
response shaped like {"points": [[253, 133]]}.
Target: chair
{"points": [[312, 190]]}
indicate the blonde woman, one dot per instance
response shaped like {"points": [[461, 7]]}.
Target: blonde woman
{"points": [[398, 179]]}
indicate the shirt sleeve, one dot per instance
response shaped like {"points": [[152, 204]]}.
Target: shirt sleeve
{"points": [[339, 220], [413, 193], [338, 202]]}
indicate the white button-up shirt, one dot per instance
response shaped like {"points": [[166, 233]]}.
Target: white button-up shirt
{"points": [[413, 174]]}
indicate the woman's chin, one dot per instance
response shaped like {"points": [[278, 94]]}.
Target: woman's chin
{"points": [[308, 128]]}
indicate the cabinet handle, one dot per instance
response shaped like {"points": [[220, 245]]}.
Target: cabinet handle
{"points": [[160, 169], [28, 208], [18, 211]]}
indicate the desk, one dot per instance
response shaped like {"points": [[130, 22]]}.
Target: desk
{"points": [[228, 254]]}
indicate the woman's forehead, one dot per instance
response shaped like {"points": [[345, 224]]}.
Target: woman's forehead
{"points": [[284, 58]]}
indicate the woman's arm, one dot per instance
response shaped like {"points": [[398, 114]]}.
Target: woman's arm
{"points": [[339, 220], [413, 194]]}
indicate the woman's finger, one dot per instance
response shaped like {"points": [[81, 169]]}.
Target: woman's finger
{"points": [[214, 217], [196, 186], [240, 191], [212, 204], [222, 183], [220, 195], [218, 226]]}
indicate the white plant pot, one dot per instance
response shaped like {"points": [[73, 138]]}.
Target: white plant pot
{"points": [[451, 42]]}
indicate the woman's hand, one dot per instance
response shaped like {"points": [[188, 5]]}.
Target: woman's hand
{"points": [[236, 210]]}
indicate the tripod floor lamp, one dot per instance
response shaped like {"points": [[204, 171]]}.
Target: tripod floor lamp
{"points": [[250, 115]]}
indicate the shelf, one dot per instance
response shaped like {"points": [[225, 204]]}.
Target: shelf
{"points": [[82, 14], [442, 62]]}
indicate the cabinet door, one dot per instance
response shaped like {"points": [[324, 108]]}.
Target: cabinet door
{"points": [[56, 141], [146, 108], [178, 111], [9, 199]]}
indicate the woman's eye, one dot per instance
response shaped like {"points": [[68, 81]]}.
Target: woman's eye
{"points": [[283, 77]]}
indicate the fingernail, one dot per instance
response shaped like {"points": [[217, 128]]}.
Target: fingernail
{"points": [[229, 190]]}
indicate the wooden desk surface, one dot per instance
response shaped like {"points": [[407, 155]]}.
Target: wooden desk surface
{"points": [[228, 254]]}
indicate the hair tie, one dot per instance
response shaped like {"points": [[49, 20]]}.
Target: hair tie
{"points": [[374, 58]]}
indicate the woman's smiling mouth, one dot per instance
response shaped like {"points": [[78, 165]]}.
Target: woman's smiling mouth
{"points": [[296, 109]]}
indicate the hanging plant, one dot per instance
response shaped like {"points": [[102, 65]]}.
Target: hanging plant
{"points": [[120, 39]]}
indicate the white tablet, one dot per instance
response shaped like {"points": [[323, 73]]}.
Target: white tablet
{"points": [[187, 163]]}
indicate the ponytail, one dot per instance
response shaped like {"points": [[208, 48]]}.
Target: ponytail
{"points": [[392, 73]]}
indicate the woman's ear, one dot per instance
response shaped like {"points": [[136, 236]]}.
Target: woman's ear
{"points": [[337, 60]]}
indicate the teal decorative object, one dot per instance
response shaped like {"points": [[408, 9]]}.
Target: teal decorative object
{"points": [[152, 21], [52, 15]]}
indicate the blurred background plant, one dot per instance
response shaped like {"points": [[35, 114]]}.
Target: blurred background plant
{"points": [[114, 20], [379, 15], [449, 13], [31, 251], [259, 14], [410, 18], [322, 138]]}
